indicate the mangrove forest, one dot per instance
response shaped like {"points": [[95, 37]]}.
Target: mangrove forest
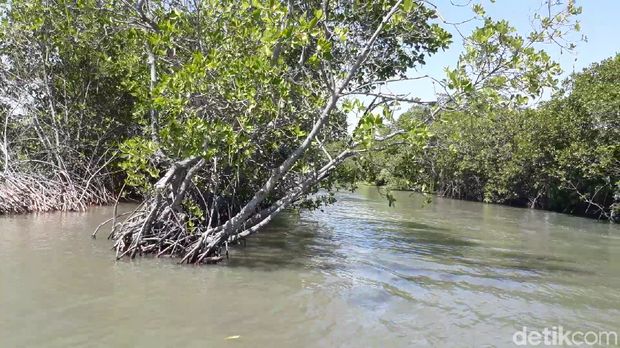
{"points": [[216, 116]]}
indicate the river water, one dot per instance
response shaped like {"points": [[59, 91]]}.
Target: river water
{"points": [[360, 274]]}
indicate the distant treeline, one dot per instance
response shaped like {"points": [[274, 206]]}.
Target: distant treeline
{"points": [[563, 155]]}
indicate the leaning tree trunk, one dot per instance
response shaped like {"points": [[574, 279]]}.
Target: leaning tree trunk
{"points": [[159, 226]]}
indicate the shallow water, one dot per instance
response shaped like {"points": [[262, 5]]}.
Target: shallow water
{"points": [[360, 274]]}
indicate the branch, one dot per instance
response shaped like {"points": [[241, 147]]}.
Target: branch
{"points": [[280, 171], [395, 97]]}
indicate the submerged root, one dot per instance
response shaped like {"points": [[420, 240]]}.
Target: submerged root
{"points": [[27, 193], [157, 229], [162, 226], [165, 226]]}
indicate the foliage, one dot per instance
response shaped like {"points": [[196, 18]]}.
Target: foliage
{"points": [[221, 114], [242, 114], [563, 155], [64, 107]]}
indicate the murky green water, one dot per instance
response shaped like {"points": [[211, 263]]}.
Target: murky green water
{"points": [[360, 274]]}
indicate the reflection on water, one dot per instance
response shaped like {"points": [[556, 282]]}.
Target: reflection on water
{"points": [[449, 273]]}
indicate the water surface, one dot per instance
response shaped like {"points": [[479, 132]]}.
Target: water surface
{"points": [[359, 274]]}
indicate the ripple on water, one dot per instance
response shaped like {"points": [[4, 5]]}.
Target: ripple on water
{"points": [[361, 273]]}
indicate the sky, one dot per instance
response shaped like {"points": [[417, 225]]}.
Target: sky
{"points": [[600, 23]]}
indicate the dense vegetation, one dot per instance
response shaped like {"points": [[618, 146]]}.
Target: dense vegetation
{"points": [[219, 115], [63, 107], [563, 155]]}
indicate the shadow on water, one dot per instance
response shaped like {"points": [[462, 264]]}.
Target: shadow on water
{"points": [[538, 263], [358, 235], [289, 242], [411, 238], [443, 243], [333, 242]]}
